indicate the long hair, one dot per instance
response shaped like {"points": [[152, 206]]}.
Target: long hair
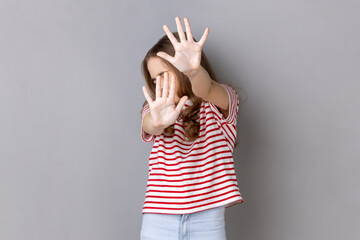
{"points": [[190, 115]]}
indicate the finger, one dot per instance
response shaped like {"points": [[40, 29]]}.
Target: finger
{"points": [[166, 56], [181, 103], [158, 88], [180, 29], [166, 85], [188, 30], [172, 88], [147, 96], [170, 35], [204, 37]]}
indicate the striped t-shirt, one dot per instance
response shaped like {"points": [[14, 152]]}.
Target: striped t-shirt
{"points": [[190, 176]]}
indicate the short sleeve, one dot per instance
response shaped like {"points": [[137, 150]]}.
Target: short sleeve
{"points": [[146, 137], [233, 106]]}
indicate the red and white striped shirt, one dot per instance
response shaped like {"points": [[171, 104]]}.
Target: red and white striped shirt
{"points": [[191, 176]]}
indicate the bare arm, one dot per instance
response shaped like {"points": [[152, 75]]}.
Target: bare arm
{"points": [[209, 90], [148, 126], [163, 111], [187, 59]]}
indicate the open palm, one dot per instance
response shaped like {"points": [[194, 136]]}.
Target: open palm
{"points": [[163, 110], [187, 52]]}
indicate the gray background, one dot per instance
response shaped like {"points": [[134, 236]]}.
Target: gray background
{"points": [[73, 166]]}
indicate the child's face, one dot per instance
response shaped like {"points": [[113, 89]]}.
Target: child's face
{"points": [[156, 67]]}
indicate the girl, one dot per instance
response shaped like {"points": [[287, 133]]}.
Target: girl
{"points": [[192, 120]]}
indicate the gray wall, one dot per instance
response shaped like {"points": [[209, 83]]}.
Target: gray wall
{"points": [[73, 166]]}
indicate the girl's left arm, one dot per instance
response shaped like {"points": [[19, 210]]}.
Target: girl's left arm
{"points": [[187, 60], [209, 90]]}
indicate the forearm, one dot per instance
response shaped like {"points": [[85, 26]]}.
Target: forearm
{"points": [[148, 126], [201, 82]]}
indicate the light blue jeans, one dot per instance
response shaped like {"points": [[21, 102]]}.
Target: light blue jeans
{"points": [[204, 225]]}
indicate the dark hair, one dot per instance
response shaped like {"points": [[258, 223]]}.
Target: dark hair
{"points": [[190, 115]]}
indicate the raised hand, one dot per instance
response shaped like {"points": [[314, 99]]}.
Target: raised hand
{"points": [[187, 52], [163, 110]]}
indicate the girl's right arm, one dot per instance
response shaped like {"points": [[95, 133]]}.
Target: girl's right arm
{"points": [[163, 111], [148, 126]]}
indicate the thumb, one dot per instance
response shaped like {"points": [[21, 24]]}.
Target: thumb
{"points": [[165, 56], [181, 103]]}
